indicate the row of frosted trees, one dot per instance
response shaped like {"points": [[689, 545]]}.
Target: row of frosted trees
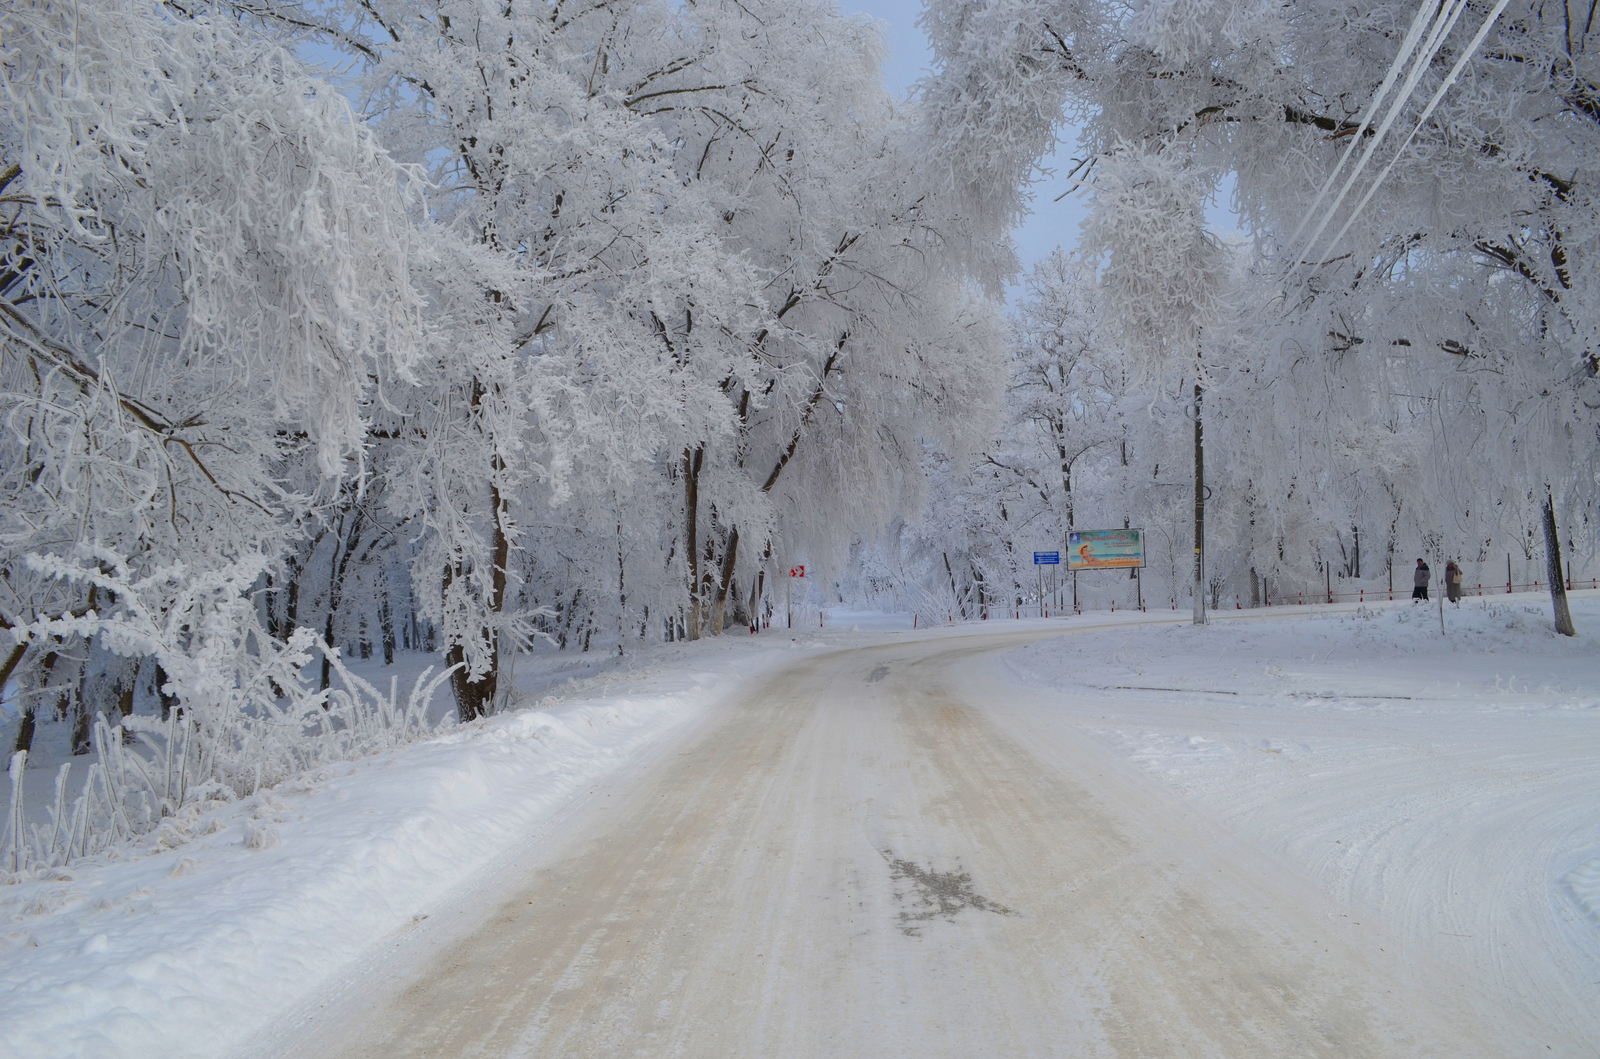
{"points": [[584, 320], [332, 328], [1406, 347], [1304, 497]]}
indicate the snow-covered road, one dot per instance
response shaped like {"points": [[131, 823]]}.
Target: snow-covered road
{"points": [[889, 851]]}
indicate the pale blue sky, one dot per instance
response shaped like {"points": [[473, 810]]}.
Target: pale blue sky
{"points": [[1052, 222]]}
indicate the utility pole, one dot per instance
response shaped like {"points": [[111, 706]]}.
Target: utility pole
{"points": [[1199, 514], [1066, 549]]}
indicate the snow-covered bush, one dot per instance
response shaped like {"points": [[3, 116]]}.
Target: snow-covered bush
{"points": [[242, 715]]}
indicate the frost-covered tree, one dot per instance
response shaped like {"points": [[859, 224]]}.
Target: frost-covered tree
{"points": [[205, 265], [1069, 384]]}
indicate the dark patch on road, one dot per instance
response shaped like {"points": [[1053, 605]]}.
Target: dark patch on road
{"points": [[934, 895], [878, 674]]}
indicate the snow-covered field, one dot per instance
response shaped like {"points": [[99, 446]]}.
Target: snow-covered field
{"points": [[1447, 784]]}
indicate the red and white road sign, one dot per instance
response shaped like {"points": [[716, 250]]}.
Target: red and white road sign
{"points": [[797, 571]]}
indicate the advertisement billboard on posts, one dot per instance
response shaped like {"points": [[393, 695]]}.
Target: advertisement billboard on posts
{"points": [[1114, 549]]}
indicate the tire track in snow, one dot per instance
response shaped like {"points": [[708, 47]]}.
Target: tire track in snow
{"points": [[734, 901]]}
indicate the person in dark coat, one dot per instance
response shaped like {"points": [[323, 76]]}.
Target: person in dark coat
{"points": [[1452, 582], [1419, 580]]}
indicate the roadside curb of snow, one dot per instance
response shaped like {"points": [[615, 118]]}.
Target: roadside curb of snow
{"points": [[190, 952]]}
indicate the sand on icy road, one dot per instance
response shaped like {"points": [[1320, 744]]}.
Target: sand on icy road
{"points": [[850, 860]]}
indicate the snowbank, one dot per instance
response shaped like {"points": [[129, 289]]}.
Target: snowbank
{"points": [[190, 942]]}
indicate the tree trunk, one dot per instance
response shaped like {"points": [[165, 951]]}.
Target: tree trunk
{"points": [[167, 701], [1552, 553], [343, 548], [502, 559], [691, 510], [82, 716], [291, 607], [293, 567], [1388, 551], [274, 626], [63, 691], [730, 556], [622, 594], [1199, 515], [25, 729], [474, 698], [82, 724], [955, 593], [498, 582], [386, 617], [24, 732], [13, 659], [1066, 482], [125, 694]]}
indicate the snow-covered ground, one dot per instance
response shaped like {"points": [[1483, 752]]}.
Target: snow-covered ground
{"points": [[184, 944], [1449, 784]]}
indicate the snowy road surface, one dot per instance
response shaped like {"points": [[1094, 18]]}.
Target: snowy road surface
{"points": [[885, 851]]}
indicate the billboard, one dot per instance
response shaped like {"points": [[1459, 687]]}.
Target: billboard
{"points": [[1114, 549]]}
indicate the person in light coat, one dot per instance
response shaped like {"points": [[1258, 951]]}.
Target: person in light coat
{"points": [[1452, 582], [1419, 580]]}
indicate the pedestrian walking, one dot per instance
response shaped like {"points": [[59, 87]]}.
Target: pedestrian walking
{"points": [[1419, 580], [1452, 582]]}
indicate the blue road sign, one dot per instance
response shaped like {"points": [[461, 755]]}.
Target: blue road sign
{"points": [[1046, 558]]}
